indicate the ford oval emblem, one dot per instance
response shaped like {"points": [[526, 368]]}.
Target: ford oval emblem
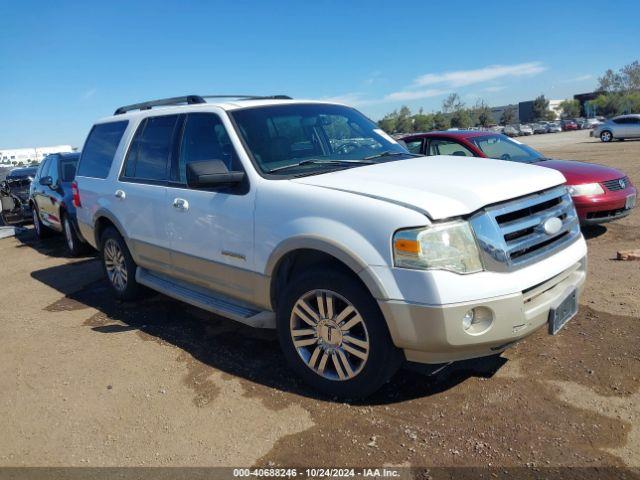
{"points": [[552, 225]]}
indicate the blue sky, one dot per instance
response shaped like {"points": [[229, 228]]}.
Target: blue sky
{"points": [[66, 63]]}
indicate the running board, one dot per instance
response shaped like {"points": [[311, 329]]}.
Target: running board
{"points": [[206, 300]]}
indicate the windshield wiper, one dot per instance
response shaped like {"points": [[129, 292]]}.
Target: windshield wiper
{"points": [[315, 161], [389, 153]]}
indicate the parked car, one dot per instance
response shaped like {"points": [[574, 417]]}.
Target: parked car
{"points": [[51, 200], [592, 123], [619, 128], [554, 127], [14, 196], [525, 129], [601, 194], [541, 127], [568, 125], [511, 131], [360, 255]]}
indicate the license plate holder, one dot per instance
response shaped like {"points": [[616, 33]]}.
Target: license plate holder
{"points": [[563, 311], [630, 202]]}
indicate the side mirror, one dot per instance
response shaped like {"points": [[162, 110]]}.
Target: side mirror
{"points": [[46, 181], [211, 173]]}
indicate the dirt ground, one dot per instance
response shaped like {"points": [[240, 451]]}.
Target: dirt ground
{"points": [[86, 381]]}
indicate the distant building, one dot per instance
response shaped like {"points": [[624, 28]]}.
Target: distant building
{"points": [[496, 112], [25, 156]]}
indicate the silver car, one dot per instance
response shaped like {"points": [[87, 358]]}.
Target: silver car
{"points": [[620, 127]]}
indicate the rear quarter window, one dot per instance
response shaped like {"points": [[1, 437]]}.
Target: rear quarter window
{"points": [[99, 149]]}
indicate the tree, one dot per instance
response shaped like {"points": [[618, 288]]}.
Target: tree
{"points": [[570, 108], [440, 122], [624, 80], [389, 122], [541, 109], [482, 114], [452, 103], [461, 119], [405, 122], [422, 122], [508, 116]]}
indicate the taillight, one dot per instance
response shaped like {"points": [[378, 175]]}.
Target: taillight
{"points": [[76, 195]]}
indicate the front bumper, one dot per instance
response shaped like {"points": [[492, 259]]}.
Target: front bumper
{"points": [[434, 334], [604, 208]]}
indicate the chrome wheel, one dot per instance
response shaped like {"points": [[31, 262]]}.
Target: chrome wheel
{"points": [[68, 234], [115, 265], [606, 136], [36, 221], [329, 335]]}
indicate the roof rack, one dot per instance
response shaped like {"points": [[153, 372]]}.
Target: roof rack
{"points": [[191, 100]]}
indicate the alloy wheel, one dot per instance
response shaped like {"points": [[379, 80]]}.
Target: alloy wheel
{"points": [[115, 265], [329, 335], [605, 136]]}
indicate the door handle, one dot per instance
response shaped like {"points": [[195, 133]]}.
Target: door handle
{"points": [[120, 194], [180, 204]]}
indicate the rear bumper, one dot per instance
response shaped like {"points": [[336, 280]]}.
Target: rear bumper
{"points": [[434, 334]]}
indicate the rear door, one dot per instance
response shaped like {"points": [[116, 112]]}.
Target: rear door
{"points": [[40, 192], [141, 191], [634, 127]]}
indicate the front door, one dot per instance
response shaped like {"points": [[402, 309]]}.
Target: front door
{"points": [[211, 230]]}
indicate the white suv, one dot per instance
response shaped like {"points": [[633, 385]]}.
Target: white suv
{"points": [[305, 217]]}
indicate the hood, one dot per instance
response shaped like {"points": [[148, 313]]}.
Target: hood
{"points": [[581, 172], [441, 186]]}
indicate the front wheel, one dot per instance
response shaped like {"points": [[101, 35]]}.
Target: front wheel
{"points": [[334, 336], [606, 136], [41, 230]]}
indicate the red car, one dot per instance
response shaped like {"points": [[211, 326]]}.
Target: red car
{"points": [[568, 125], [600, 193]]}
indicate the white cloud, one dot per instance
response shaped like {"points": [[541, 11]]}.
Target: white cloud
{"points": [[88, 94], [414, 94], [461, 78], [494, 88], [580, 78]]}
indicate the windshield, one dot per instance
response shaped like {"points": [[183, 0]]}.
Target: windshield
{"points": [[504, 148], [22, 173], [301, 139]]}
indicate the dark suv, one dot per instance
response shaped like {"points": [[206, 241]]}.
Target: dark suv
{"points": [[51, 200], [14, 196]]}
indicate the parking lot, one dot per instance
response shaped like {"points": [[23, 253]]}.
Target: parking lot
{"points": [[87, 381]]}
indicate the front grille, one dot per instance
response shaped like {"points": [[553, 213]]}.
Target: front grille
{"points": [[617, 184], [512, 234]]}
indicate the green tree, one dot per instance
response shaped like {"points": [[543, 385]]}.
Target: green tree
{"points": [[508, 116], [405, 122], [452, 103], [389, 122], [422, 122], [541, 109], [624, 80], [461, 119], [481, 114], [440, 122], [570, 108]]}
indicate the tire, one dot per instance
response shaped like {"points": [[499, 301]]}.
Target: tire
{"points": [[606, 136], [75, 246], [40, 230], [118, 266], [351, 362]]}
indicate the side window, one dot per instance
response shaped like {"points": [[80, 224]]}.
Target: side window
{"points": [[44, 169], [148, 157], [53, 169], [414, 146], [99, 149], [448, 147], [204, 138]]}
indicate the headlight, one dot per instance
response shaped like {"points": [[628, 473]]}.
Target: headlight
{"points": [[585, 189], [447, 246]]}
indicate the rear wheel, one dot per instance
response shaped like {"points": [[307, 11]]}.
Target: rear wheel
{"points": [[119, 267], [75, 246], [334, 335], [40, 230], [606, 136]]}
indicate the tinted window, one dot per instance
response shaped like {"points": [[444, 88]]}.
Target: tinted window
{"points": [[149, 153], [68, 168], [448, 147], [414, 146], [43, 171], [99, 149], [205, 138]]}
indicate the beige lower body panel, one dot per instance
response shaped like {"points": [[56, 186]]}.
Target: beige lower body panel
{"points": [[434, 334]]}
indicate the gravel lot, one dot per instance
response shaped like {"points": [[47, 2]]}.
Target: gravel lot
{"points": [[86, 381]]}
